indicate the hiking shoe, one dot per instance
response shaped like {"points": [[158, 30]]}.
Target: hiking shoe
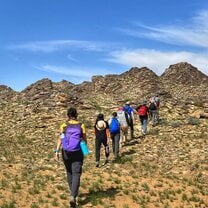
{"points": [[97, 164], [143, 135], [116, 158], [106, 161], [72, 201]]}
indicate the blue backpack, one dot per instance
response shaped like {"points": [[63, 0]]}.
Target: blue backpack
{"points": [[128, 109], [72, 137], [114, 126]]}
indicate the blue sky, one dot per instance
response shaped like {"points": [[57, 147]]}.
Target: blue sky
{"points": [[77, 39]]}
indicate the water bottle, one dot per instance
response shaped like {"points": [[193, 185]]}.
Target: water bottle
{"points": [[84, 147]]}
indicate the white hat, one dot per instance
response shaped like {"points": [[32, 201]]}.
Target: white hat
{"points": [[101, 125]]}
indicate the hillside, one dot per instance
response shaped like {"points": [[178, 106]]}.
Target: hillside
{"points": [[185, 81], [168, 168]]}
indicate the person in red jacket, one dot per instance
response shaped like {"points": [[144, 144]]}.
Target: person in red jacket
{"points": [[143, 112]]}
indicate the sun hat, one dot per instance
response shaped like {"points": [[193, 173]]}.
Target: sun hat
{"points": [[101, 125]]}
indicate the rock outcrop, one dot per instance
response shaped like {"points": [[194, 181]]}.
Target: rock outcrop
{"points": [[166, 169]]}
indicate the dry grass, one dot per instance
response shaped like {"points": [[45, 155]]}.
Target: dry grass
{"points": [[167, 169]]}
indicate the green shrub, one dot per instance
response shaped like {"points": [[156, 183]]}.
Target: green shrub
{"points": [[193, 121]]}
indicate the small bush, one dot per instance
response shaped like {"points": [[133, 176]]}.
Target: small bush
{"points": [[193, 121]]}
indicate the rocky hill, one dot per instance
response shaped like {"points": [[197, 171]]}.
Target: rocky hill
{"points": [[185, 81], [167, 169], [6, 94]]}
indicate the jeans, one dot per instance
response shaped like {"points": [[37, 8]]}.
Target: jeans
{"points": [[157, 115], [73, 162], [143, 124], [115, 144], [153, 115], [131, 125]]}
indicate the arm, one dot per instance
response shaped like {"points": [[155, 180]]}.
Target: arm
{"points": [[84, 135], [107, 130], [132, 115], [58, 146], [108, 134], [59, 142], [148, 111]]}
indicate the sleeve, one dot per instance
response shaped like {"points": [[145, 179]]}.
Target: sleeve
{"points": [[84, 136], [147, 109], [62, 126], [83, 128]]}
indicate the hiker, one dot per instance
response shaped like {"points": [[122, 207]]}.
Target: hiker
{"points": [[143, 115], [157, 101], [128, 108], [114, 127], [72, 132], [153, 110], [102, 134], [123, 118]]}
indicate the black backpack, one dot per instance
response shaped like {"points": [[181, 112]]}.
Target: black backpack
{"points": [[153, 106], [127, 117]]}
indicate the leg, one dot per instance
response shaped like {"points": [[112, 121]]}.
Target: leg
{"points": [[124, 134], [117, 140], [157, 115], [131, 128], [105, 144], [97, 150], [76, 174], [142, 124], [67, 163], [153, 117], [122, 138], [145, 126], [113, 143]]}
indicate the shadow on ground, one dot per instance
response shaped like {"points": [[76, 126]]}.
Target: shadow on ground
{"points": [[94, 197]]}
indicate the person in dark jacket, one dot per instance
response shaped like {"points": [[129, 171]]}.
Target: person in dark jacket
{"points": [[102, 134], [130, 110]]}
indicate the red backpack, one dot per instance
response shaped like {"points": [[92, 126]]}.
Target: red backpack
{"points": [[142, 110]]}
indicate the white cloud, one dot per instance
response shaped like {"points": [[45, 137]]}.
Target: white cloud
{"points": [[157, 60], [193, 33], [68, 71], [74, 73], [58, 45], [71, 58], [201, 20]]}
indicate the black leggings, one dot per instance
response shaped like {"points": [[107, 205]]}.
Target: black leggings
{"points": [[73, 162], [98, 143]]}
